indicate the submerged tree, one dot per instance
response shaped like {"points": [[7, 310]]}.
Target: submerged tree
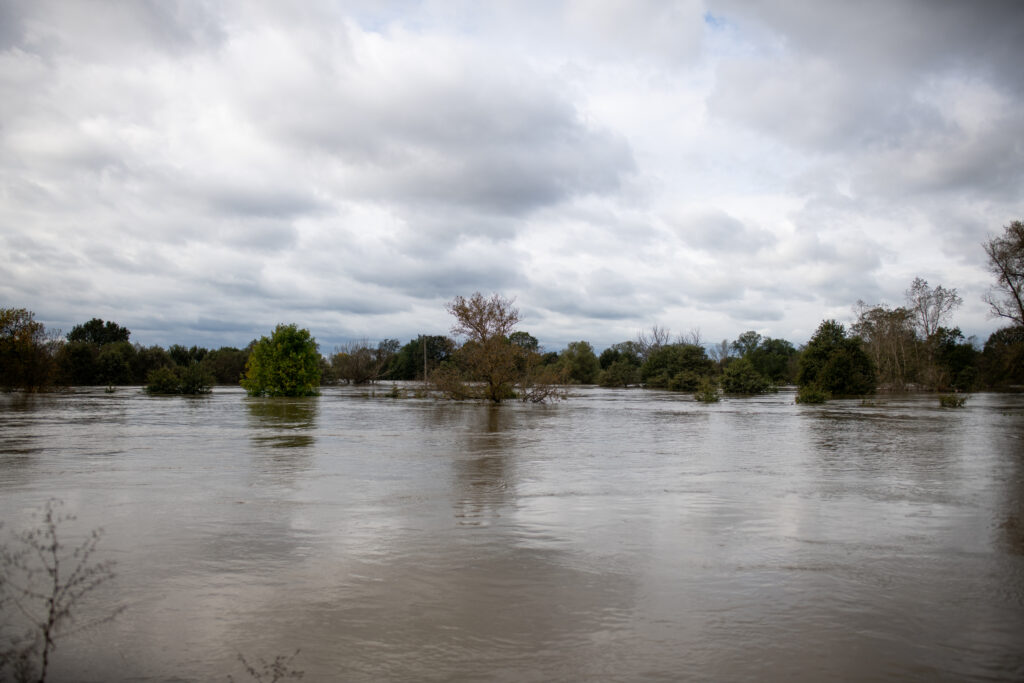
{"points": [[285, 364], [493, 357], [26, 351], [835, 363], [1006, 261]]}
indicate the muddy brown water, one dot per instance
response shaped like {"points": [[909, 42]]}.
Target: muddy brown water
{"points": [[619, 536]]}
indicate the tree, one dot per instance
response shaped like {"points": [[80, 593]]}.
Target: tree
{"points": [[26, 351], [740, 377], [677, 367], [930, 307], [580, 362], [487, 355], [746, 343], [98, 332], [1003, 357], [835, 363], [774, 359], [425, 352], [285, 364], [359, 363], [1006, 261], [889, 339], [495, 361]]}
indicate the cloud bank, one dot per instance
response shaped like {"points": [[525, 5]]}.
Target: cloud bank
{"points": [[202, 171]]}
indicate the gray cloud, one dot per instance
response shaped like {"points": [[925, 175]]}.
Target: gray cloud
{"points": [[206, 170]]}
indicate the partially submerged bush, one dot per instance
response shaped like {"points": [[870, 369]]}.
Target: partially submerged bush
{"points": [[952, 400], [707, 391], [191, 380], [812, 394]]}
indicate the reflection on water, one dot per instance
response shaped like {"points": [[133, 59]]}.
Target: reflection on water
{"points": [[623, 535], [283, 422]]}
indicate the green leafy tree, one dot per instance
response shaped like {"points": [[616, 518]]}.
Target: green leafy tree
{"points": [[746, 343], [835, 363], [114, 363], [425, 350], [677, 367], [77, 363], [26, 352], [740, 377], [226, 364], [285, 364], [775, 360], [99, 333], [1002, 360], [580, 362]]}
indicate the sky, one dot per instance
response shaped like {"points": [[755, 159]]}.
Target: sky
{"points": [[201, 171]]}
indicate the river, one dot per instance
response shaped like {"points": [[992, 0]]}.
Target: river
{"points": [[622, 535]]}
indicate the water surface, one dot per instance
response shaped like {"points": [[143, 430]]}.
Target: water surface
{"points": [[622, 535]]}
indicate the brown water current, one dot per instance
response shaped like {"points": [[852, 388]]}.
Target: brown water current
{"points": [[623, 535]]}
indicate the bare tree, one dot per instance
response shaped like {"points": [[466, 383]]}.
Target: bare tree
{"points": [[930, 307], [46, 585], [692, 337], [1006, 262], [720, 351], [648, 342]]}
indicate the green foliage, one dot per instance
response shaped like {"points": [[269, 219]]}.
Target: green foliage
{"points": [[740, 377], [360, 363], [952, 400], [226, 364], [707, 391], [163, 380], [191, 380], [956, 360], [524, 340], [835, 363], [26, 352], [409, 361], [811, 394], [677, 367], [620, 373], [580, 362], [1002, 360], [285, 364], [113, 363], [775, 360], [99, 333], [746, 343]]}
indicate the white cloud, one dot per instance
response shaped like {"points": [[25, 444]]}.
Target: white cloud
{"points": [[200, 171]]}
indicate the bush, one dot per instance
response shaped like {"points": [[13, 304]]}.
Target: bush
{"points": [[707, 391], [191, 380], [740, 377], [952, 400], [163, 380], [285, 364], [811, 394]]}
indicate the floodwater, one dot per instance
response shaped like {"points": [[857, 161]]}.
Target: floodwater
{"points": [[622, 535]]}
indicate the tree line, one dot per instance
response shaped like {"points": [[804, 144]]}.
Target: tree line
{"points": [[912, 346]]}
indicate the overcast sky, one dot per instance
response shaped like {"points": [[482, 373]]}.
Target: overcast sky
{"points": [[201, 171]]}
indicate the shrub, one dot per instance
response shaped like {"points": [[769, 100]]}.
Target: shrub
{"points": [[163, 380], [812, 394], [707, 391], [952, 400], [191, 380], [740, 377]]}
